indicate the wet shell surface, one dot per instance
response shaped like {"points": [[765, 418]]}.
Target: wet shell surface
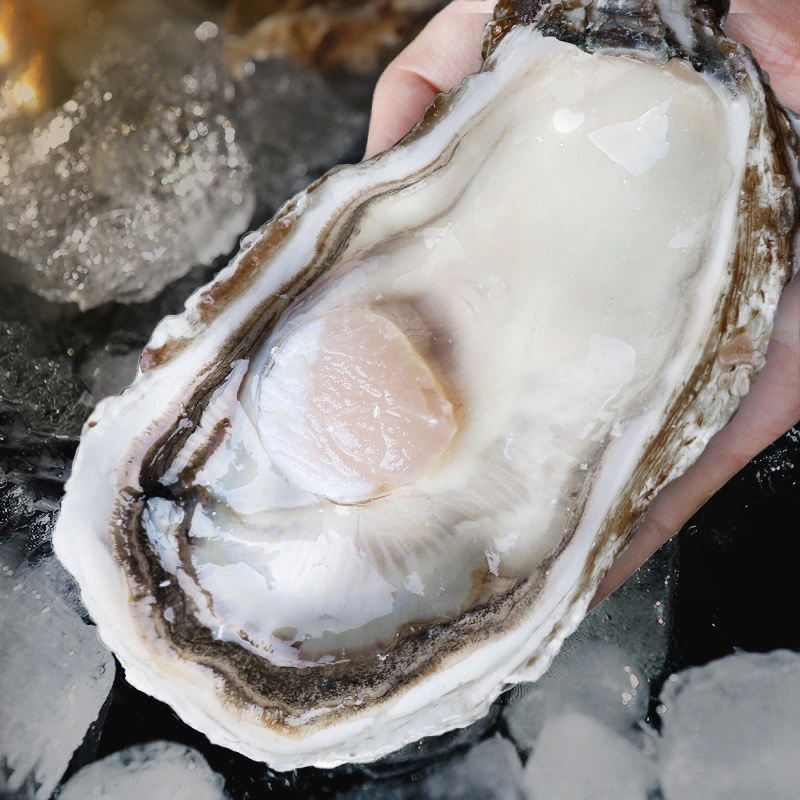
{"points": [[373, 474]]}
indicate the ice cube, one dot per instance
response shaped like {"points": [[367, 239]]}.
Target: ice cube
{"points": [[489, 770], [155, 163], [55, 675], [40, 397], [576, 757], [154, 771], [730, 730], [587, 676], [604, 669], [132, 181]]}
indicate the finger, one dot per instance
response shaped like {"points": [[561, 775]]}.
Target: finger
{"points": [[768, 411], [444, 53], [771, 29]]}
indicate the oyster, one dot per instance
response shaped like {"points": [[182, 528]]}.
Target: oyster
{"points": [[374, 472]]}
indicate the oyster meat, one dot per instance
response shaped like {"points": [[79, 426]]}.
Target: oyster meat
{"points": [[374, 472]]}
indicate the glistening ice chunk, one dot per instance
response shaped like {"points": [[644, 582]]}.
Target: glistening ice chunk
{"points": [[134, 180], [40, 397], [577, 757], [109, 368], [730, 730], [637, 617], [597, 680], [155, 771], [605, 668], [490, 770], [158, 160], [54, 678]]}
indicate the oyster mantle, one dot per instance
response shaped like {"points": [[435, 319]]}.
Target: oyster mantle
{"points": [[147, 525]]}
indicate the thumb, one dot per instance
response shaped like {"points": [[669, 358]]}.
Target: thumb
{"points": [[445, 52]]}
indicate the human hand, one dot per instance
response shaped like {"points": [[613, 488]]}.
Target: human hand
{"points": [[448, 50]]}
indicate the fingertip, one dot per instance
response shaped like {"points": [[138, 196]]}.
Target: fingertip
{"points": [[400, 99], [445, 52], [772, 32]]}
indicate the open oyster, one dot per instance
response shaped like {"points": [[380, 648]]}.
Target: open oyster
{"points": [[373, 473]]}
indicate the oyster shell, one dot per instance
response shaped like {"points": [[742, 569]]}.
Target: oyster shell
{"points": [[374, 472]]}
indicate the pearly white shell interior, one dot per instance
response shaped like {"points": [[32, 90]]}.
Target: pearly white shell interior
{"points": [[567, 262]]}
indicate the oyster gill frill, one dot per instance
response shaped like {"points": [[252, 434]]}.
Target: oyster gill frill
{"points": [[374, 472]]}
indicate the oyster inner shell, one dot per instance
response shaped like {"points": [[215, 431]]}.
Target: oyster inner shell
{"points": [[419, 429]]}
